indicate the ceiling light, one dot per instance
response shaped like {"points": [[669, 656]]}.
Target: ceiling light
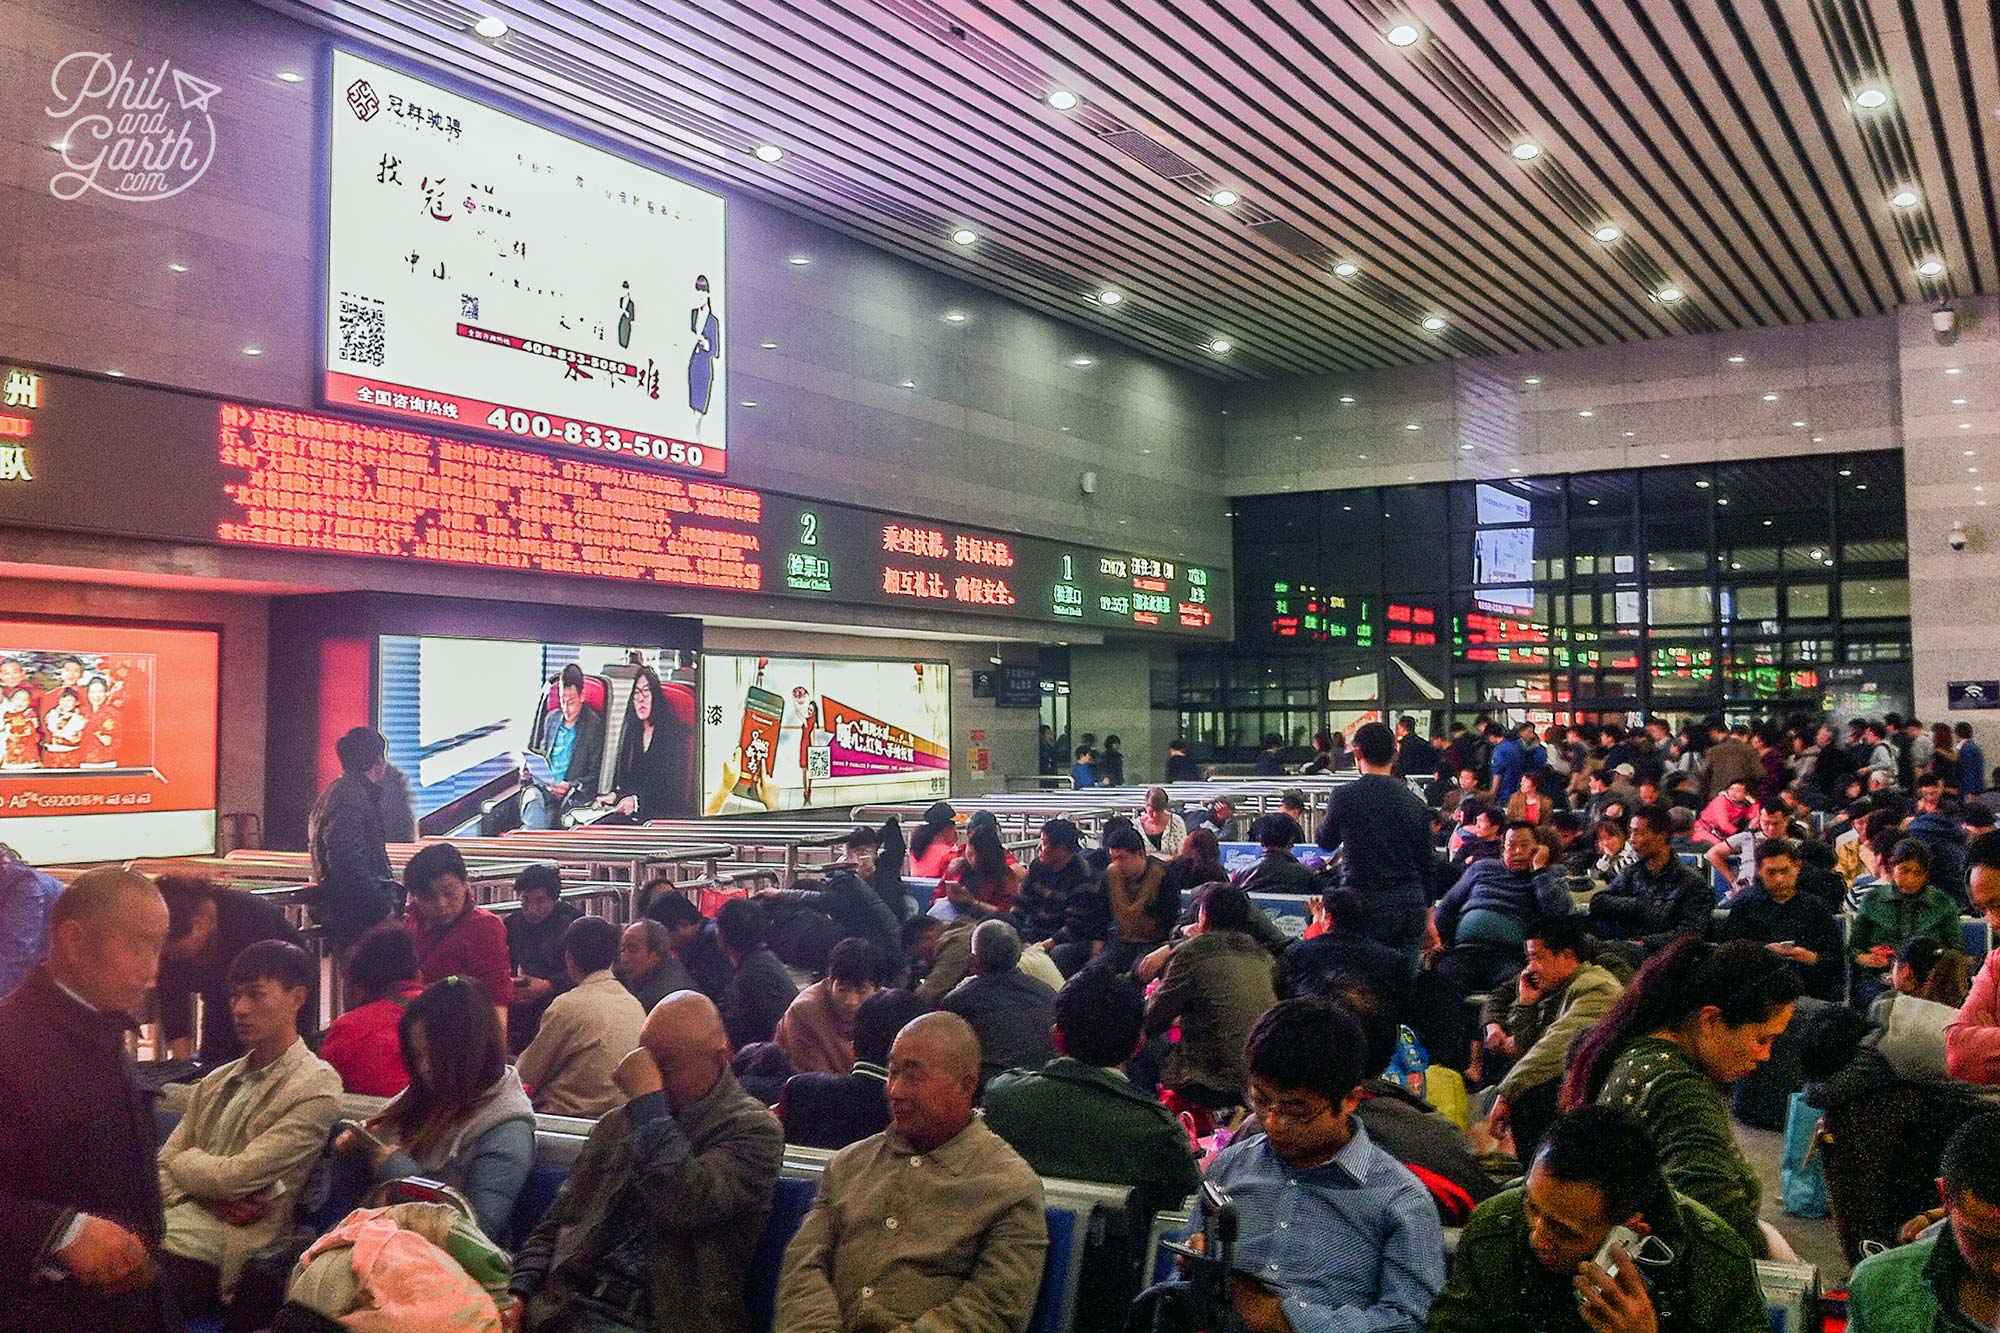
{"points": [[1081, 361], [1629, 434], [1702, 485], [1466, 447], [1798, 425], [1110, 296], [1607, 233], [1526, 151], [1361, 458], [769, 152], [1586, 412], [1722, 499], [1817, 552], [1965, 425], [1403, 34], [768, 345], [1669, 295], [1592, 500], [491, 26], [116, 374], [1224, 198], [290, 76], [1062, 99], [1769, 521], [1770, 397], [800, 261], [1346, 268], [1819, 439], [749, 402], [1737, 358], [964, 236], [1220, 345], [1860, 485], [1958, 402], [1414, 425], [1347, 398], [1736, 564], [253, 351], [59, 145], [1432, 323], [1871, 98], [954, 317], [1969, 453], [1904, 198], [176, 266], [1532, 379], [1931, 267], [1847, 472], [1516, 471]]}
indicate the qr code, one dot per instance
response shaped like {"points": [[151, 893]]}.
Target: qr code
{"points": [[468, 306], [363, 331], [819, 762]]}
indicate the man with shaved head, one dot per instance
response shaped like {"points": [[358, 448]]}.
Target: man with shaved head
{"points": [[80, 1213], [934, 1225], [658, 1223]]}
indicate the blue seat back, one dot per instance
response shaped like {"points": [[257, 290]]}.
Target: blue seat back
{"points": [[789, 1206], [538, 1192], [1054, 1300]]}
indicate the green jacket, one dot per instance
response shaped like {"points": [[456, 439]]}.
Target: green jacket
{"points": [[1910, 1289], [1688, 1117], [1497, 1285], [1542, 1031], [1077, 1121], [1217, 985], [1892, 918]]}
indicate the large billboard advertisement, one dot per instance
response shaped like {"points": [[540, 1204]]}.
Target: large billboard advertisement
{"points": [[795, 733], [107, 741], [492, 275]]}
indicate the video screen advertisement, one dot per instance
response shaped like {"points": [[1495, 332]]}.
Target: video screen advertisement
{"points": [[489, 274], [107, 741], [798, 733], [459, 715]]}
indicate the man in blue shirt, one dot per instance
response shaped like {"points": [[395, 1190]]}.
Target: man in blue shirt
{"points": [[1513, 757], [573, 743], [1340, 1236], [1971, 762], [1083, 773]]}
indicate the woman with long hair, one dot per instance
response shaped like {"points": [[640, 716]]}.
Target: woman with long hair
{"points": [[464, 1119], [1164, 831], [984, 874], [1698, 1016], [653, 778], [934, 843], [1199, 863]]}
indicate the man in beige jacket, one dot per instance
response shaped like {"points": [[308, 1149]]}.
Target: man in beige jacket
{"points": [[585, 1031], [231, 1171]]}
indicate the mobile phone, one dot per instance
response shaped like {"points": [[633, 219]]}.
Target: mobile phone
{"points": [[362, 1132], [1623, 1237], [1258, 1276]]}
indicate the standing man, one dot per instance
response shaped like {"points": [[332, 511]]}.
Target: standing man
{"points": [[573, 744], [1971, 762], [1511, 758], [1383, 830], [1083, 773], [80, 1213], [208, 928], [1414, 758], [353, 885]]}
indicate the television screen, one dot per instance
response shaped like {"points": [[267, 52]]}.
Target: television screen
{"points": [[796, 733], [107, 741], [491, 275], [1503, 555], [459, 713]]}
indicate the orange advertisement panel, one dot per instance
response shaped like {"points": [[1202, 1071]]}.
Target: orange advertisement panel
{"points": [[107, 740]]}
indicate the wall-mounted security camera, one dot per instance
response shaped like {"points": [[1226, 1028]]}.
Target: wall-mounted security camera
{"points": [[1944, 324], [1959, 537]]}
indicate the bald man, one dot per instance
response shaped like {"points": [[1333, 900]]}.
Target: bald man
{"points": [[658, 1223], [932, 1226], [80, 1215]]}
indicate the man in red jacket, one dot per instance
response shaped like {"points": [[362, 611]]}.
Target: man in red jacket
{"points": [[453, 937]]}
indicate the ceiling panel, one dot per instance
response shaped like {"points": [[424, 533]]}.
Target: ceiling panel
{"points": [[1721, 138]]}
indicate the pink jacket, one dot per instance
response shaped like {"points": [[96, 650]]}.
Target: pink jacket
{"points": [[1722, 818], [1972, 1044], [406, 1282]]}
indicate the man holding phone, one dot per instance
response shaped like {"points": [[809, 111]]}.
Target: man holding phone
{"points": [[1598, 1242]]}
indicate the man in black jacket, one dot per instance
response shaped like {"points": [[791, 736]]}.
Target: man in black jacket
{"points": [[1343, 955], [350, 855], [849, 896], [1057, 873], [821, 1110], [759, 989], [1277, 871], [1658, 897], [80, 1214], [1383, 831], [1012, 1014], [1414, 756], [535, 946], [207, 928]]}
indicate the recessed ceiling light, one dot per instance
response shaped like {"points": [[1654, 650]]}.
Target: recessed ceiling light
{"points": [[1526, 151], [964, 236], [1220, 345], [1607, 233], [1586, 412], [253, 351], [1722, 499], [1347, 398], [1466, 447], [1770, 397], [1224, 198], [1669, 295], [176, 266], [1736, 564], [1798, 425], [1592, 500], [1062, 99], [59, 145], [769, 152], [1904, 198], [1629, 434], [1951, 370], [749, 402], [1081, 361], [768, 345], [1516, 471], [1346, 268], [1965, 425], [1847, 472], [1860, 485], [1110, 296], [1403, 34], [1702, 485], [116, 374], [1969, 453], [1297, 438], [1737, 358], [1532, 379], [1432, 323], [290, 76], [491, 26], [1414, 425], [1666, 455], [954, 317], [1871, 97], [1361, 458], [800, 261], [1930, 268], [1958, 402], [1769, 521], [1819, 553], [1819, 439]]}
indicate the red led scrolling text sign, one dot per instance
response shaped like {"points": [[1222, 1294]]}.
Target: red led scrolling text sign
{"points": [[316, 483], [978, 588]]}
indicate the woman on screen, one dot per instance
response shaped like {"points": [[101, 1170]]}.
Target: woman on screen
{"points": [[100, 729], [652, 779], [20, 732], [62, 729], [707, 331]]}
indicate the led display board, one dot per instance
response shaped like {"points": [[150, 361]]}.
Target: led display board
{"points": [[115, 457], [490, 274], [794, 733]]}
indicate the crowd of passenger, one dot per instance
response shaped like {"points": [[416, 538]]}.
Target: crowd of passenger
{"points": [[1586, 938]]}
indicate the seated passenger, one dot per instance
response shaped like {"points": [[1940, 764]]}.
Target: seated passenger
{"points": [[1696, 1018], [231, 1171], [983, 880], [1911, 1019], [850, 898], [933, 1224], [658, 1222], [759, 989], [362, 1043], [1478, 835], [1163, 830], [1946, 1281], [1218, 982], [453, 937], [1530, 802], [573, 745], [1614, 851], [1735, 857], [208, 928], [1526, 1263], [763, 1069], [535, 947], [834, 1110], [817, 1031], [692, 937], [1218, 816], [1659, 896], [1726, 815], [464, 1119], [647, 963], [1142, 910], [1277, 870], [1342, 953], [587, 1030], [1560, 993], [1057, 873], [1478, 927], [934, 843], [1010, 1012], [1573, 852], [1797, 928], [1895, 913], [1972, 1042]]}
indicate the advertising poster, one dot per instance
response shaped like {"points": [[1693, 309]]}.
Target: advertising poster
{"points": [[92, 765], [489, 274], [1503, 556], [795, 733]]}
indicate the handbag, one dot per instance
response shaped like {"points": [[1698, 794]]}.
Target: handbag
{"points": [[1802, 1175]]}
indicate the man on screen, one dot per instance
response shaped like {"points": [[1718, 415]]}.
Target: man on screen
{"points": [[573, 744]]}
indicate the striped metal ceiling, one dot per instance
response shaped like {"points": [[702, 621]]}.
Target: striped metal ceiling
{"points": [[1725, 140]]}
